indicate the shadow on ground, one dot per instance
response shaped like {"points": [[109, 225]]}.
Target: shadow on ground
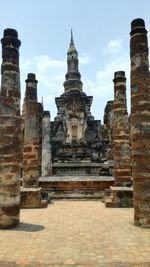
{"points": [[28, 227]]}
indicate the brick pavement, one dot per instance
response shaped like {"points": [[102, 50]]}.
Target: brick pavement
{"points": [[76, 233]]}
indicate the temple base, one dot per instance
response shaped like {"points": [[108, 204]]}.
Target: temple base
{"points": [[76, 186], [31, 198], [119, 197]]}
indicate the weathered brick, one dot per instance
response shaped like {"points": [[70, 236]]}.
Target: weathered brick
{"points": [[46, 145], [31, 134], [122, 171], [10, 131], [140, 118]]}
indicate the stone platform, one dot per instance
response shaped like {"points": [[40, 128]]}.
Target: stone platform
{"points": [[120, 197], [31, 198], [75, 234], [76, 187]]}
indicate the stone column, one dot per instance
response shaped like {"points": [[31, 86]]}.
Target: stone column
{"points": [[31, 134], [10, 131], [46, 145], [122, 169], [140, 122]]}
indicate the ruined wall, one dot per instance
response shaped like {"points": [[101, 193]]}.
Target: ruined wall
{"points": [[10, 131]]}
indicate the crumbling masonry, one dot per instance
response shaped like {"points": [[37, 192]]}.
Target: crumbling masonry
{"points": [[121, 195], [10, 131], [75, 156], [140, 122], [31, 127]]}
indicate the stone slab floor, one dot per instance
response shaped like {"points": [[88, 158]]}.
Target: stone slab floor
{"points": [[76, 233]]}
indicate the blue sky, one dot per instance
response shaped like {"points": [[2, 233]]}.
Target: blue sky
{"points": [[101, 34]]}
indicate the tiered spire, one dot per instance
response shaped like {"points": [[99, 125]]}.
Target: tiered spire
{"points": [[73, 76], [72, 48]]}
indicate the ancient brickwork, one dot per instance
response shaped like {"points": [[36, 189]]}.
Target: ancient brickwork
{"points": [[122, 151], [107, 131], [108, 115], [121, 195], [10, 131], [77, 187], [46, 145], [39, 122], [140, 122], [31, 134], [76, 136]]}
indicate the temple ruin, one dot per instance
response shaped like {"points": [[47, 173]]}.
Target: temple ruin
{"points": [[74, 151], [75, 156]]}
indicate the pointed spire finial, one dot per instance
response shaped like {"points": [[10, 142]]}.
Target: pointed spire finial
{"points": [[72, 45], [71, 35]]}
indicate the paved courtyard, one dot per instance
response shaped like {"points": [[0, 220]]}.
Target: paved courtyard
{"points": [[76, 233]]}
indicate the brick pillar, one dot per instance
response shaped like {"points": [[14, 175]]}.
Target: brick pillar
{"points": [[121, 194], [40, 117], [46, 145], [122, 169], [108, 129], [10, 131], [31, 134], [140, 122]]}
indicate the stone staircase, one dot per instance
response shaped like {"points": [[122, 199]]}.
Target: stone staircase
{"points": [[75, 187]]}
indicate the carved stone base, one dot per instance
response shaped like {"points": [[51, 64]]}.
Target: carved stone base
{"points": [[76, 187], [82, 169], [31, 198], [120, 197]]}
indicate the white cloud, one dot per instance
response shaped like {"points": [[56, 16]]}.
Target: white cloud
{"points": [[44, 63], [113, 47], [25, 64], [105, 76], [84, 59]]}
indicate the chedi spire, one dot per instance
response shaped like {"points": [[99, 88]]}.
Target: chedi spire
{"points": [[72, 47], [73, 76]]}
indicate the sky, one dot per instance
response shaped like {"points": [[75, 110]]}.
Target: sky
{"points": [[101, 35]]}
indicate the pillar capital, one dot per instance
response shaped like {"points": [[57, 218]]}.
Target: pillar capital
{"points": [[31, 87], [10, 36], [138, 26], [119, 76], [31, 77]]}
